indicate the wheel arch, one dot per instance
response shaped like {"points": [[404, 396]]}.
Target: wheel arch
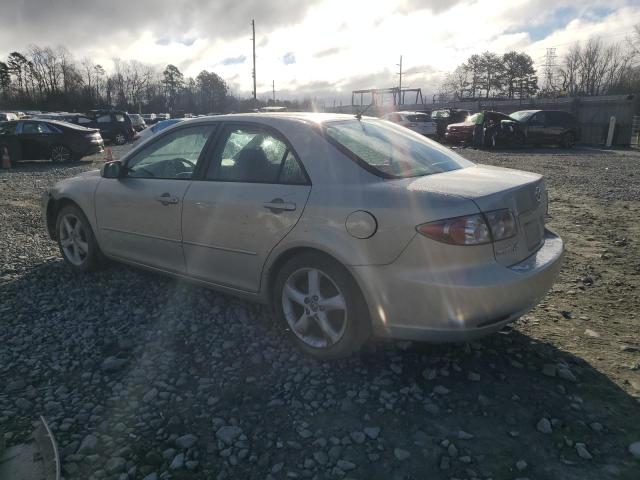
{"points": [[53, 207]]}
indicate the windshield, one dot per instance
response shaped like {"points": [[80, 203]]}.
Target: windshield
{"points": [[523, 115], [440, 114], [391, 151], [473, 118], [419, 117]]}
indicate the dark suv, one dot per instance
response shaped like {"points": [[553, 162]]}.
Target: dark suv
{"points": [[114, 125], [548, 127]]}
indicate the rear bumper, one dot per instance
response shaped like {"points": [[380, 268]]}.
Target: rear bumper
{"points": [[459, 303]]}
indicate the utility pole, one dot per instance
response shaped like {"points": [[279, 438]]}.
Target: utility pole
{"points": [[549, 66], [253, 39], [273, 89], [400, 101]]}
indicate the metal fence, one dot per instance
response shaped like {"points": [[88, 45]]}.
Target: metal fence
{"points": [[593, 113], [635, 132]]}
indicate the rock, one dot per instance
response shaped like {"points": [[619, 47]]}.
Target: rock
{"points": [[150, 396], [474, 377], [634, 449], [544, 426], [462, 435], [24, 404], [151, 476], [445, 463], [178, 462], [549, 370], [581, 448], [115, 465], [441, 390], [320, 457], [358, 437], [591, 333], [566, 374], [372, 432], [112, 364], [277, 467], [228, 433], [88, 445], [521, 465], [345, 465], [596, 427], [452, 450], [186, 441], [401, 454]]}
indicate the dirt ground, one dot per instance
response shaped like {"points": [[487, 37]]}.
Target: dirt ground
{"points": [[558, 398]]}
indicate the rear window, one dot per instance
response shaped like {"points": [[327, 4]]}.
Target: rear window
{"points": [[421, 117], [391, 151]]}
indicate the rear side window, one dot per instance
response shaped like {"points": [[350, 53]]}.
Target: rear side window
{"points": [[104, 119], [391, 151], [8, 128], [119, 118], [253, 155], [82, 120]]}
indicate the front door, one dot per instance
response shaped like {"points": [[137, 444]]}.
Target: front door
{"points": [[35, 140], [536, 133], [139, 216], [252, 195]]}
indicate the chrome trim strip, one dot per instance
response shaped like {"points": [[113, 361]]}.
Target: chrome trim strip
{"points": [[155, 237], [225, 249]]}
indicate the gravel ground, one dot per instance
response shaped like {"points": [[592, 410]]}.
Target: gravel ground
{"points": [[143, 376]]}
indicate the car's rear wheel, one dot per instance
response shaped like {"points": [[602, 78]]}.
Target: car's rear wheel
{"points": [[77, 243], [60, 154], [321, 306], [120, 138], [568, 140]]}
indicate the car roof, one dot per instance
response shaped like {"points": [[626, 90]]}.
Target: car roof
{"points": [[294, 117]]}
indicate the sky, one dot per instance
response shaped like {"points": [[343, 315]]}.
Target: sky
{"points": [[319, 49]]}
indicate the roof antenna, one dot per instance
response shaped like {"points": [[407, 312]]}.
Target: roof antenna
{"points": [[360, 113]]}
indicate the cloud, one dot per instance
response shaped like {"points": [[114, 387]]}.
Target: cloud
{"points": [[289, 58], [234, 60], [328, 52]]}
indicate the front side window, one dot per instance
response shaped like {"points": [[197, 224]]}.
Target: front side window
{"points": [[119, 118], [538, 119], [82, 120], [33, 127], [172, 156], [255, 156], [391, 151]]}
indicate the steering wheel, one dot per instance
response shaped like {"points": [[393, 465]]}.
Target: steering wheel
{"points": [[186, 162]]}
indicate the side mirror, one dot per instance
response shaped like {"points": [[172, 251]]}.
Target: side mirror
{"points": [[113, 169]]}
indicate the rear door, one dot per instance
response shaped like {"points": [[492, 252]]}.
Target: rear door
{"points": [[253, 193], [139, 216], [36, 139]]}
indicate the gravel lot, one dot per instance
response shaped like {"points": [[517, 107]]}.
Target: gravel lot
{"points": [[143, 376]]}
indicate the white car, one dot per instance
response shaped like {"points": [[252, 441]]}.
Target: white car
{"points": [[419, 122]]}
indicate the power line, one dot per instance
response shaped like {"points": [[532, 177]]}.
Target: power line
{"points": [[253, 39]]}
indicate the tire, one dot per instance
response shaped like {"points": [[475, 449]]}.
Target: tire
{"points": [[491, 140], [78, 245], [332, 323], [120, 138], [568, 140], [517, 140], [60, 154]]}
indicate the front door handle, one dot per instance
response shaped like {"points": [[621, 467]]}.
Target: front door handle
{"points": [[167, 199], [278, 204]]}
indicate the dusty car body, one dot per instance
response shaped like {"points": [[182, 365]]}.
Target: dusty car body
{"points": [[353, 226], [419, 122], [499, 129], [443, 117]]}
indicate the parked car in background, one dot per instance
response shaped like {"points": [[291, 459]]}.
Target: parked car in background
{"points": [[7, 116], [399, 236], [137, 121], [499, 129], [548, 127], [36, 139], [149, 118], [444, 117], [114, 125], [155, 128], [163, 116], [419, 122]]}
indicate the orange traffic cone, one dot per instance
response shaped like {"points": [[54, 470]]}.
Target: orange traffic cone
{"points": [[109, 157], [6, 159]]}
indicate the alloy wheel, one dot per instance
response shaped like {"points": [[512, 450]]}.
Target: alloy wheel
{"points": [[73, 239], [120, 139], [60, 153], [314, 307]]}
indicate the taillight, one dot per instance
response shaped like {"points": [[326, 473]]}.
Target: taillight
{"points": [[475, 229]]}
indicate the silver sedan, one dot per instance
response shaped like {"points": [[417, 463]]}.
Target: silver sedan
{"points": [[347, 226]]}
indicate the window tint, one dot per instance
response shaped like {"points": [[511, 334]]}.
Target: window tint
{"points": [[172, 156], [538, 119], [82, 120], [392, 151], [421, 117], [253, 155], [104, 119], [8, 128], [119, 117], [33, 127]]}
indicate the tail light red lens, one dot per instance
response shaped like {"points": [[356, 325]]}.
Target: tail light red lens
{"points": [[472, 229]]}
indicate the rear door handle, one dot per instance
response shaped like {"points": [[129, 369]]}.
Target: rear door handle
{"points": [[167, 199], [278, 204]]}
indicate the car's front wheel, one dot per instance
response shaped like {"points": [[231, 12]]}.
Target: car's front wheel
{"points": [[321, 306], [77, 243], [120, 138]]}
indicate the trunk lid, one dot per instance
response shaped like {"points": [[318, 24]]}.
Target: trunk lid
{"points": [[494, 188]]}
